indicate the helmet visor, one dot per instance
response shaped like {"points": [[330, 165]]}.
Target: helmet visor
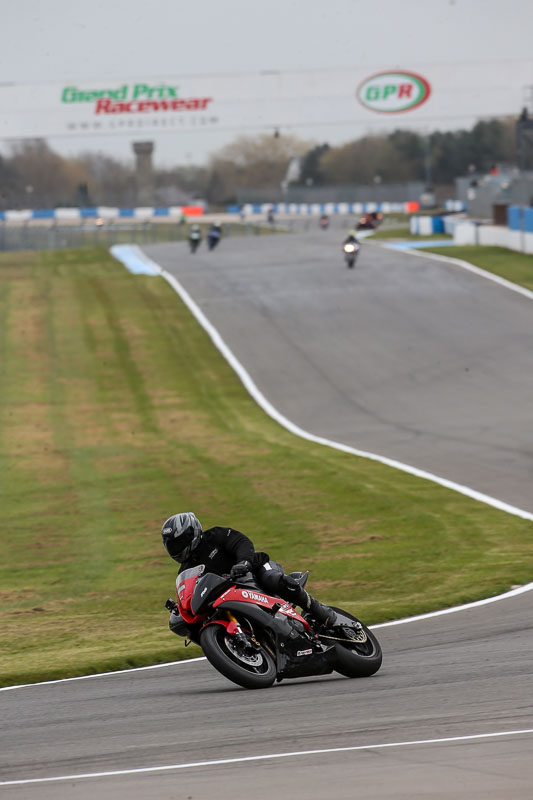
{"points": [[178, 546]]}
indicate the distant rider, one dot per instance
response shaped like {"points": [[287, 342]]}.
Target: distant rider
{"points": [[351, 238], [227, 551], [214, 235], [195, 237]]}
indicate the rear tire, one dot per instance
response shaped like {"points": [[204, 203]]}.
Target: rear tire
{"points": [[360, 659], [254, 673]]}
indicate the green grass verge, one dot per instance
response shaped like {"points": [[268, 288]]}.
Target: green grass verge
{"points": [[116, 411], [515, 267]]}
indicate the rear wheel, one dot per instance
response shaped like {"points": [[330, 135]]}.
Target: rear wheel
{"points": [[360, 656], [243, 661]]}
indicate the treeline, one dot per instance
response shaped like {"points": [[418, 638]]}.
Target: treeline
{"points": [[405, 155], [34, 176]]}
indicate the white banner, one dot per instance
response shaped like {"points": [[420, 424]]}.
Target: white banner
{"points": [[432, 96]]}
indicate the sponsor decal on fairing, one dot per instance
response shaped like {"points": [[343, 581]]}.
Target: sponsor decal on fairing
{"points": [[260, 598]]}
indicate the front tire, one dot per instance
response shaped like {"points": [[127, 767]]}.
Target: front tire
{"points": [[257, 671]]}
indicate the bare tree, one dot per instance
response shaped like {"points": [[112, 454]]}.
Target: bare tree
{"points": [[44, 179], [252, 162]]}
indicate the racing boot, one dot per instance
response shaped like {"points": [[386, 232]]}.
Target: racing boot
{"points": [[324, 615], [296, 594]]}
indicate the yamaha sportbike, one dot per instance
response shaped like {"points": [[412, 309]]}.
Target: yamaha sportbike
{"points": [[253, 638]]}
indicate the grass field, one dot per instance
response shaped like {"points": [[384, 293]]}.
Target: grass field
{"points": [[116, 411]]}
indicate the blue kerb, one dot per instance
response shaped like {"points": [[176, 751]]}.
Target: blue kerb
{"points": [[413, 245], [134, 259]]}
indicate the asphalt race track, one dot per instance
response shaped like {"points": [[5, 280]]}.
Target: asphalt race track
{"points": [[406, 357]]}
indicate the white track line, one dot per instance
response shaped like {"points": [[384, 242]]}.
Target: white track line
{"points": [[242, 759], [103, 674], [272, 412]]}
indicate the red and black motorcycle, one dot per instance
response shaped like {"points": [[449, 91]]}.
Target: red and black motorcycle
{"points": [[254, 639]]}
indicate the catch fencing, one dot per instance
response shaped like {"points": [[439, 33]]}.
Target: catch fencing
{"points": [[29, 236]]}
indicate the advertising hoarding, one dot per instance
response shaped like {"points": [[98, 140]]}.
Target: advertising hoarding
{"points": [[431, 96]]}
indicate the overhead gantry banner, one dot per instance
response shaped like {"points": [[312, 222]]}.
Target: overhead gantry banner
{"points": [[427, 96]]}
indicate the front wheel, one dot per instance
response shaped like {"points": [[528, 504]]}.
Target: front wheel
{"points": [[246, 664]]}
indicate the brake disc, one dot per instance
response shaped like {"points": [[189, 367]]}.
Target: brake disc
{"points": [[355, 634], [351, 635], [251, 659]]}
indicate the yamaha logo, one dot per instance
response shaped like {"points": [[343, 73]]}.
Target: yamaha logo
{"points": [[253, 596]]}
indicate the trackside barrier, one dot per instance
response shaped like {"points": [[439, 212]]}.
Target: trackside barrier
{"points": [[425, 226], [520, 240], [102, 212], [316, 209], [520, 218]]}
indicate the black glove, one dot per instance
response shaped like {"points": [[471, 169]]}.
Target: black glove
{"points": [[239, 570]]}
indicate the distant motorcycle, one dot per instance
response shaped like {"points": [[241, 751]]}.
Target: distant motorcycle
{"points": [[324, 222], [213, 237], [254, 639], [195, 237], [369, 222], [351, 251]]}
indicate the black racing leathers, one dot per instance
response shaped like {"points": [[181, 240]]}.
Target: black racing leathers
{"points": [[220, 548]]}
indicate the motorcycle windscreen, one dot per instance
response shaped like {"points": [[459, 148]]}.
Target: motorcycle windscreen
{"points": [[185, 583]]}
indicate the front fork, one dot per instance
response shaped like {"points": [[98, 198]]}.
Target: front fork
{"points": [[243, 641]]}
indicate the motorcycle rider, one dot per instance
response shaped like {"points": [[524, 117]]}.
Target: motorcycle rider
{"points": [[351, 238], [195, 237], [214, 235], [226, 550]]}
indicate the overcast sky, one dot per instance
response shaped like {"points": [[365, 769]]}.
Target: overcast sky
{"points": [[69, 41]]}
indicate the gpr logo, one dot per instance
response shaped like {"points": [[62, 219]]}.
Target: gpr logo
{"points": [[392, 92]]}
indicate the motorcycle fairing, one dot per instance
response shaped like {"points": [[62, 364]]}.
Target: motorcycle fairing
{"points": [[292, 645], [185, 585], [258, 598], [206, 589]]}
